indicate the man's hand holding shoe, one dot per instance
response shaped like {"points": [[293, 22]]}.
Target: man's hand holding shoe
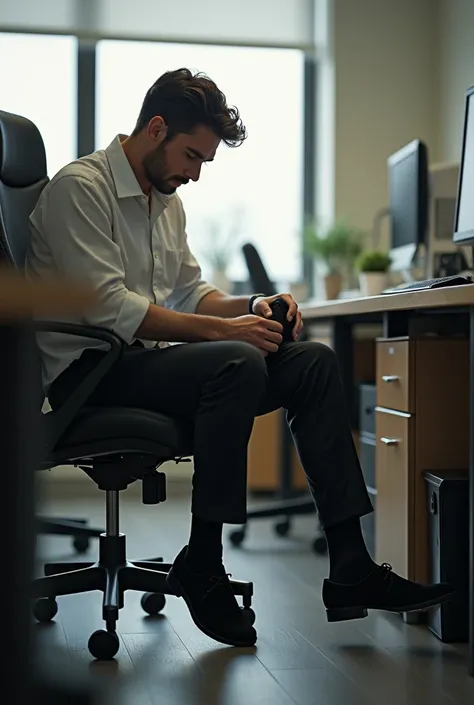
{"points": [[261, 306]]}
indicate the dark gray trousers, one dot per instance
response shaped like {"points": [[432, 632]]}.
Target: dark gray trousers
{"points": [[222, 387]]}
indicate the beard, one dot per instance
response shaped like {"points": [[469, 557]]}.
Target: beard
{"points": [[156, 170]]}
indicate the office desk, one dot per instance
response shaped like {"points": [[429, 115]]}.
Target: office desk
{"points": [[450, 309], [20, 446]]}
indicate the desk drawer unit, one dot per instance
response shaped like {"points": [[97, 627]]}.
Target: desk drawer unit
{"points": [[422, 421], [395, 379]]}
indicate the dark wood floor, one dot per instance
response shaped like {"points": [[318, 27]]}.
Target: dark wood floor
{"points": [[299, 657]]}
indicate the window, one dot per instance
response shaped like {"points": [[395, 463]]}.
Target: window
{"points": [[253, 193], [38, 80]]}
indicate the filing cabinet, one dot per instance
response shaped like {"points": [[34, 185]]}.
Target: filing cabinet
{"points": [[421, 422]]}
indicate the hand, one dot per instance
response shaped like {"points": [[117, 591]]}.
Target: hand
{"points": [[260, 332], [261, 307]]}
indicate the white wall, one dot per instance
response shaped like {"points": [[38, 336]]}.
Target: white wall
{"points": [[266, 21], [385, 87], [277, 22], [455, 44], [59, 14]]}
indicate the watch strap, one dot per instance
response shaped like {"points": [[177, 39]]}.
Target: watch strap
{"points": [[253, 299]]}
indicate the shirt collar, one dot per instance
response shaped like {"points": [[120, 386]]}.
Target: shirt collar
{"points": [[126, 183]]}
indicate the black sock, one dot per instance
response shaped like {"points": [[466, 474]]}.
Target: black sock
{"points": [[349, 560], [204, 552]]}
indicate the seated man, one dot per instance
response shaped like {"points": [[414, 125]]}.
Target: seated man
{"points": [[113, 219]]}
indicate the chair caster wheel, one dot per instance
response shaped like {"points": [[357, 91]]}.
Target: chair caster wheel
{"points": [[103, 645], [237, 537], [249, 613], [152, 603], [81, 544], [45, 609], [283, 527], [320, 546]]}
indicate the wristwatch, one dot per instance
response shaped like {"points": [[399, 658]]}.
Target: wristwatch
{"points": [[253, 299]]}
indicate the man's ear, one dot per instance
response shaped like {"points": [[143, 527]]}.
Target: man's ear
{"points": [[157, 129]]}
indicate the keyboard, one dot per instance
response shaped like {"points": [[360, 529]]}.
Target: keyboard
{"points": [[440, 282]]}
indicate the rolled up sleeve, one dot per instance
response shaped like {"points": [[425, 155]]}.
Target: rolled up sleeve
{"points": [[78, 221]]}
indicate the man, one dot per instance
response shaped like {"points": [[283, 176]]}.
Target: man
{"points": [[113, 219]]}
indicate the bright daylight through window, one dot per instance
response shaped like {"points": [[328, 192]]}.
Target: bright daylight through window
{"points": [[38, 80]]}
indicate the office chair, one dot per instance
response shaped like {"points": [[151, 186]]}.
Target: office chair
{"points": [[113, 446], [288, 505]]}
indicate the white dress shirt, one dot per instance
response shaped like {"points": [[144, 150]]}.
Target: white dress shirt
{"points": [[94, 224]]}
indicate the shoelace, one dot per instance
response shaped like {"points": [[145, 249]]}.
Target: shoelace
{"points": [[216, 581]]}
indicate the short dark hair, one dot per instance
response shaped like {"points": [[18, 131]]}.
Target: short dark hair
{"points": [[186, 100]]}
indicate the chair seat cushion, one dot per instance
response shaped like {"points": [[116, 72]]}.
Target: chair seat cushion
{"points": [[121, 429]]}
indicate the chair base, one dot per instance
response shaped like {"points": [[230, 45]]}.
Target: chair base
{"points": [[112, 574], [284, 510]]}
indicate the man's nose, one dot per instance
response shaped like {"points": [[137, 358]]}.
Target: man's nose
{"points": [[194, 173]]}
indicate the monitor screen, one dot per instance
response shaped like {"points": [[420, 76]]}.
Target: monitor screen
{"points": [[464, 220], [408, 194]]}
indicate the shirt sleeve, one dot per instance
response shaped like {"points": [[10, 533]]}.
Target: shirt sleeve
{"points": [[76, 222], [190, 287]]}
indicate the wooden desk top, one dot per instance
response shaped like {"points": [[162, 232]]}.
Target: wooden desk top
{"points": [[20, 299], [451, 296]]}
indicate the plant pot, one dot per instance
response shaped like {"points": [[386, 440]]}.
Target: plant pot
{"points": [[332, 286], [372, 283]]}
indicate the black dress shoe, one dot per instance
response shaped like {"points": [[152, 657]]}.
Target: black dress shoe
{"points": [[212, 604], [382, 589]]}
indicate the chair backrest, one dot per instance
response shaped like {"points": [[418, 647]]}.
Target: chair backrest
{"points": [[258, 276], [23, 176]]}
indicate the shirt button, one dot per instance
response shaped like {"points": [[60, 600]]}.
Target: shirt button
{"points": [[155, 255]]}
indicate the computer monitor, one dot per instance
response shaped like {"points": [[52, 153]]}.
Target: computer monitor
{"points": [[464, 217], [408, 203]]}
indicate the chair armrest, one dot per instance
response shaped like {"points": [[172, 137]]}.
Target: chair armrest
{"points": [[65, 415]]}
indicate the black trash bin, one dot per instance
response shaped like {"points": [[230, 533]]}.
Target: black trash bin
{"points": [[448, 550]]}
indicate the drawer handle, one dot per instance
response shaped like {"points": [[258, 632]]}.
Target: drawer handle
{"points": [[389, 441], [390, 378]]}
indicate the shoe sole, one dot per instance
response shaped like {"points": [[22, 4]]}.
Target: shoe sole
{"points": [[343, 614], [177, 589]]}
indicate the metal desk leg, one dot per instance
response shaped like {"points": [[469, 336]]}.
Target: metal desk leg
{"points": [[471, 493]]}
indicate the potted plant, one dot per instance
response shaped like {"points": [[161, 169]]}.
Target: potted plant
{"points": [[373, 266], [337, 247]]}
